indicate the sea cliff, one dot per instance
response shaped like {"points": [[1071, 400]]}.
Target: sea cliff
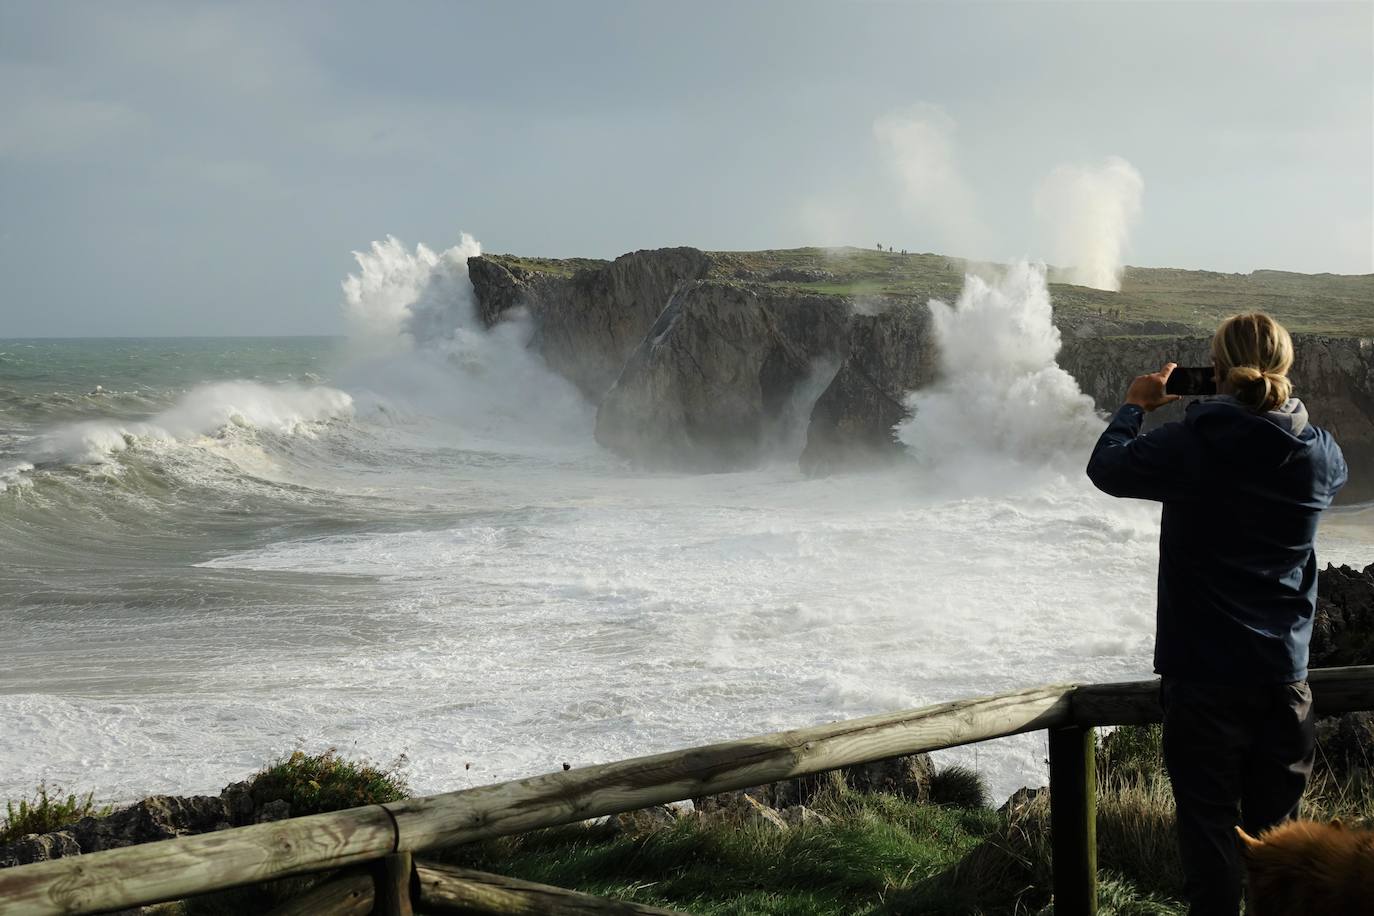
{"points": [[719, 360]]}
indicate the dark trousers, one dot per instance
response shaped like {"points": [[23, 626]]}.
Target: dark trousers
{"points": [[1235, 755]]}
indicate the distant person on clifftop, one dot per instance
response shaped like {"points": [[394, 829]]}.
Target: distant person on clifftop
{"points": [[1243, 479]]}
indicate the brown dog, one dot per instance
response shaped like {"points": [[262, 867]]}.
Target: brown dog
{"points": [[1302, 868]]}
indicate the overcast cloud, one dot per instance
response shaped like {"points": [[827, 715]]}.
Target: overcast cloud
{"points": [[185, 168]]}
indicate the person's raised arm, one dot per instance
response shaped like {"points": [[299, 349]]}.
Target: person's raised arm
{"points": [[1161, 465]]}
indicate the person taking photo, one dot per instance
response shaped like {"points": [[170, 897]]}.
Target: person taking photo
{"points": [[1243, 478]]}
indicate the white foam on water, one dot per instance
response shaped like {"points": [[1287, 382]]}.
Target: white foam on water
{"points": [[504, 596], [590, 618], [205, 411]]}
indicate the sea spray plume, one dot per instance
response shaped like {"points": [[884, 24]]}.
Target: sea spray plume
{"points": [[393, 287], [918, 146], [1000, 398], [414, 314], [1088, 211]]}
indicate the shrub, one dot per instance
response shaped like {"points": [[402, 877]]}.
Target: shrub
{"points": [[47, 813], [959, 787], [315, 783]]}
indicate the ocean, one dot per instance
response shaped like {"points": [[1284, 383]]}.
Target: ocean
{"points": [[219, 550]]}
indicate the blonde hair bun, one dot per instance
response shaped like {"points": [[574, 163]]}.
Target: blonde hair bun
{"points": [[1254, 353]]}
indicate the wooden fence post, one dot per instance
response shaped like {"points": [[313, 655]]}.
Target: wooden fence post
{"points": [[393, 876], [1073, 820]]}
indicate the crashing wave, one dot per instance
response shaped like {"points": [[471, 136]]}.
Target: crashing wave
{"points": [[1001, 399], [208, 410]]}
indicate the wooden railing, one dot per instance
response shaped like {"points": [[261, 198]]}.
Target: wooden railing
{"points": [[383, 838]]}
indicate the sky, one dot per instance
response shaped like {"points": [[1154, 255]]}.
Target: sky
{"points": [[202, 169]]}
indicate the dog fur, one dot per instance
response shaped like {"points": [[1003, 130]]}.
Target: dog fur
{"points": [[1303, 868]]}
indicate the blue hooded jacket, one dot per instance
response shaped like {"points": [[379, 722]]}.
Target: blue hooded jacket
{"points": [[1242, 492]]}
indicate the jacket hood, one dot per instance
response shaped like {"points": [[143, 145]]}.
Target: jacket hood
{"points": [[1269, 439]]}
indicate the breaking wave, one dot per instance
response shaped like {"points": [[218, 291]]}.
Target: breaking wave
{"points": [[421, 347], [208, 411]]}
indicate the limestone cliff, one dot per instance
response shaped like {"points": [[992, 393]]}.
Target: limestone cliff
{"points": [[588, 321], [889, 354], [699, 360], [712, 380]]}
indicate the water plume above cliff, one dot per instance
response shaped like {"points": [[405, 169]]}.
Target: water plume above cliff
{"points": [[1086, 212], [918, 144], [1000, 398]]}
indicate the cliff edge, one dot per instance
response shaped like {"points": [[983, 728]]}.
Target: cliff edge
{"points": [[719, 360]]}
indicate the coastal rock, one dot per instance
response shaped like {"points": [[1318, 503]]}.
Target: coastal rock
{"points": [[275, 810], [1022, 799], [689, 354], [803, 790], [589, 321], [238, 803], [907, 776], [754, 813], [800, 816], [644, 820], [160, 817], [1343, 626], [890, 354], [707, 805], [741, 808], [720, 374], [39, 847]]}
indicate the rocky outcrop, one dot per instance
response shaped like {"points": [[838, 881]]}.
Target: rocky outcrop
{"points": [[160, 817], [890, 354], [587, 324], [713, 380], [1343, 627], [694, 360]]}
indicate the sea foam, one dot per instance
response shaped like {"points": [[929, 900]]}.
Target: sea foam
{"points": [[204, 411]]}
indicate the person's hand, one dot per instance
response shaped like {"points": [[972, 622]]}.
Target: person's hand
{"points": [[1147, 391]]}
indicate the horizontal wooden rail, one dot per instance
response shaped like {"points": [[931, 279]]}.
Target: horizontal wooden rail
{"points": [[174, 869], [1334, 691], [447, 889]]}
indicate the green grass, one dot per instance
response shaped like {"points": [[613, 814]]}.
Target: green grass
{"points": [[556, 267], [1195, 300], [315, 783], [875, 846], [877, 854], [960, 787], [46, 812], [1307, 303]]}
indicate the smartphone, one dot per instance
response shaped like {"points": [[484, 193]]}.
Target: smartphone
{"points": [[1189, 381]]}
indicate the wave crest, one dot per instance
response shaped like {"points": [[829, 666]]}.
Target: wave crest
{"points": [[204, 411]]}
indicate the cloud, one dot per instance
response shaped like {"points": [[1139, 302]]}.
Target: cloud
{"points": [[43, 122], [918, 146]]}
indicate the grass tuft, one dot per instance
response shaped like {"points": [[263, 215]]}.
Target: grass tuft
{"points": [[1130, 752], [959, 787], [316, 783], [47, 812]]}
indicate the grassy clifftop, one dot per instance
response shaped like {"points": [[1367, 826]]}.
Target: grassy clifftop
{"points": [[1334, 304]]}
